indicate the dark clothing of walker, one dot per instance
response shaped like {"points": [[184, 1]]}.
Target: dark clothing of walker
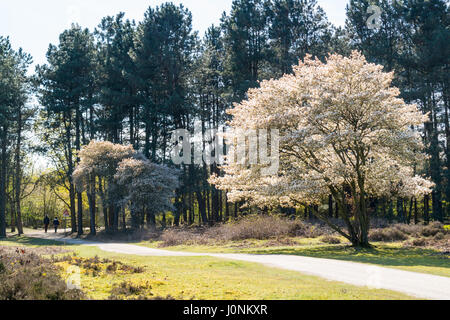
{"points": [[56, 224], [46, 223]]}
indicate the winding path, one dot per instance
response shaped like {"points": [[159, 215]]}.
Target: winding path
{"points": [[419, 285]]}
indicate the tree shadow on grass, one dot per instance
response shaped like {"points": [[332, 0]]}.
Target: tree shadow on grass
{"points": [[29, 241], [381, 255]]}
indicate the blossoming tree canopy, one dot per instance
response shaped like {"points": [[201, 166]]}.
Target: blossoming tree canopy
{"points": [[100, 159], [344, 131], [146, 185], [124, 178]]}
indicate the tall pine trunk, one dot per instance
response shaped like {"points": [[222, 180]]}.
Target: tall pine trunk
{"points": [[67, 119], [3, 183], [18, 174], [78, 148]]}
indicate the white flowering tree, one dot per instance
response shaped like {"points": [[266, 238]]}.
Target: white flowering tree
{"points": [[148, 188], [95, 175], [123, 177], [344, 131]]}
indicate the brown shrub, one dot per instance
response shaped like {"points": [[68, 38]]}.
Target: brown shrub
{"points": [[280, 242], [177, 237], [265, 227], [127, 288], [135, 291], [387, 235], [432, 229], [400, 232], [330, 240], [25, 275], [255, 227], [420, 242], [439, 236], [409, 229], [95, 265], [271, 227]]}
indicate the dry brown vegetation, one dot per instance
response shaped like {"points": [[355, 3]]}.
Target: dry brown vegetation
{"points": [[25, 275], [250, 227], [280, 231]]}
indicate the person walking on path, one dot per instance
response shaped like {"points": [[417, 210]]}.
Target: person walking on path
{"points": [[46, 223], [56, 224]]}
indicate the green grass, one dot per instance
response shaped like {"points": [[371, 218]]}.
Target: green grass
{"points": [[29, 242], [392, 255], [211, 278]]}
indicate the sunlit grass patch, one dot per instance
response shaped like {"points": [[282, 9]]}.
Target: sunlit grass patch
{"points": [[203, 278], [393, 255]]}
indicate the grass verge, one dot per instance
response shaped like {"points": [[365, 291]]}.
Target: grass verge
{"points": [[393, 255], [202, 278]]}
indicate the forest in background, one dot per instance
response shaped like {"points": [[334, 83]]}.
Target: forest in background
{"points": [[132, 83]]}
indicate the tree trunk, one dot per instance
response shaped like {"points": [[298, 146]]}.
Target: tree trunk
{"points": [[78, 148], [124, 219], [68, 123], [202, 207], [416, 213], [80, 213], [3, 183], [103, 202], [330, 206], [151, 219], [426, 209], [92, 210], [178, 208], [18, 173], [411, 202]]}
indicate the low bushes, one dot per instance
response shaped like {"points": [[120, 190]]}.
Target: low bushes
{"points": [[432, 229], [176, 237], [387, 235], [263, 228], [250, 227], [401, 232], [98, 267], [328, 239], [129, 290], [276, 228], [26, 276]]}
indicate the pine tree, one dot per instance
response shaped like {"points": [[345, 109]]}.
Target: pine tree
{"points": [[245, 37], [117, 88], [297, 28], [65, 92], [14, 92]]}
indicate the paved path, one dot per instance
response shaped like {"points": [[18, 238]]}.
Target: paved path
{"points": [[415, 284]]}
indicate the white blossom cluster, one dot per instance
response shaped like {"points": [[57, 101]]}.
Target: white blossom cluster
{"points": [[124, 177], [341, 125]]}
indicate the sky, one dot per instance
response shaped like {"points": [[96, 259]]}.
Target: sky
{"points": [[33, 25]]}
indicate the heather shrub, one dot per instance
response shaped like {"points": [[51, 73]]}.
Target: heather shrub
{"points": [[409, 229], [257, 227], [96, 266], [400, 232], [27, 276], [387, 235], [128, 288], [330, 240], [266, 227], [420, 242], [432, 229], [439, 236], [278, 228], [135, 290], [176, 237]]}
